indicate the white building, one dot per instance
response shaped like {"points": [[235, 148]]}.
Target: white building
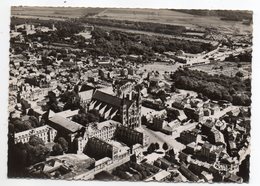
{"points": [[46, 133]]}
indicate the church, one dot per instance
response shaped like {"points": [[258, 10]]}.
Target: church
{"points": [[126, 110]]}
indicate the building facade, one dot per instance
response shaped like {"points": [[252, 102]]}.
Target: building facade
{"points": [[130, 136], [126, 110], [46, 133]]}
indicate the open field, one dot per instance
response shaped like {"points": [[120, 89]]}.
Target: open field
{"points": [[53, 12], [161, 67], [163, 16], [229, 68], [172, 17]]}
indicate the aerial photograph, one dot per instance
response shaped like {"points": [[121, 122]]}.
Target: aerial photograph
{"points": [[130, 94]]}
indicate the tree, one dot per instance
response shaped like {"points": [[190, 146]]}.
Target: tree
{"points": [[172, 114], [165, 146], [36, 153], [16, 166], [239, 74], [34, 121], [173, 88], [76, 89], [151, 148], [244, 169], [57, 149], [71, 99], [20, 126], [136, 177], [64, 144], [144, 174], [144, 120], [52, 97], [162, 95], [157, 146], [200, 95], [25, 104], [93, 116], [30, 153], [35, 140], [239, 65], [171, 152], [133, 158]]}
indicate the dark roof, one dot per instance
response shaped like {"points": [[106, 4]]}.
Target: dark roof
{"points": [[65, 123], [109, 99], [86, 87]]}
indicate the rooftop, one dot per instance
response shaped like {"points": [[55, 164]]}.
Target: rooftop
{"points": [[68, 113], [65, 123], [159, 176], [109, 99]]}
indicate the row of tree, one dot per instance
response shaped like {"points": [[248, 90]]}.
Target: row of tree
{"points": [[18, 125], [85, 118], [135, 25], [155, 146]]}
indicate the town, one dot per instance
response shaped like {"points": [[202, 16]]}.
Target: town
{"points": [[97, 99]]}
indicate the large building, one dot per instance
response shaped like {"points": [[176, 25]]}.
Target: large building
{"points": [[126, 110], [99, 149], [68, 129], [103, 130], [187, 137], [46, 133], [130, 136]]}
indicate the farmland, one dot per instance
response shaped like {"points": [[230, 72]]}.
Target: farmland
{"points": [[172, 17], [162, 16], [57, 13]]}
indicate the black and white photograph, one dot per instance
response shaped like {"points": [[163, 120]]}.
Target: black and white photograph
{"points": [[129, 94]]}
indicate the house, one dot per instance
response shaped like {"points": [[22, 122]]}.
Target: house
{"points": [[194, 113], [218, 137], [163, 163], [187, 137], [164, 126], [231, 177], [191, 148], [188, 174], [180, 103], [85, 96], [207, 151], [182, 117], [207, 176], [160, 176]]}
